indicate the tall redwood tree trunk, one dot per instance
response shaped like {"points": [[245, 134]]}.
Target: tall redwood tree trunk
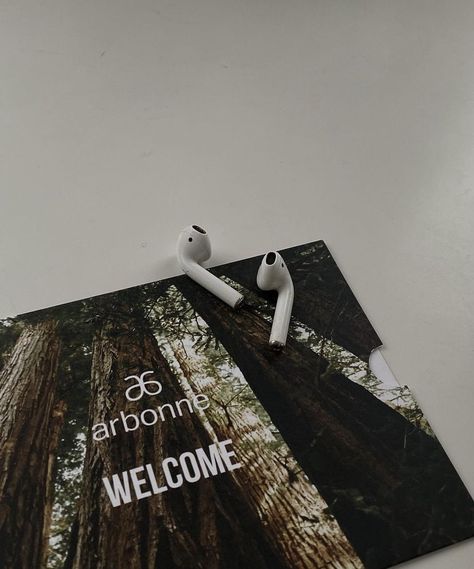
{"points": [[390, 486], [56, 426], [27, 391], [290, 507], [205, 525]]}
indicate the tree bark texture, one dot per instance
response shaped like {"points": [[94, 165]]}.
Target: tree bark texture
{"points": [[391, 487], [27, 391], [291, 509], [205, 525]]}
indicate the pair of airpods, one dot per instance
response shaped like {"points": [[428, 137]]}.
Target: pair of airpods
{"points": [[194, 247]]}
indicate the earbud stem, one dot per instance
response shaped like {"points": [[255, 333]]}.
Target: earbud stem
{"points": [[281, 318], [213, 284]]}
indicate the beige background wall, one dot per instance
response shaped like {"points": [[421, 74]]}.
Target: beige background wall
{"points": [[271, 123]]}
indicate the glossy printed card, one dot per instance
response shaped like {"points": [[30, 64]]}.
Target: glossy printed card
{"points": [[152, 428]]}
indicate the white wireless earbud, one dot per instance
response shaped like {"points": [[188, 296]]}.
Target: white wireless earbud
{"points": [[194, 247], [273, 274]]}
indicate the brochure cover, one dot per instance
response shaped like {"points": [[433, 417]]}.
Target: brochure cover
{"points": [[153, 428]]}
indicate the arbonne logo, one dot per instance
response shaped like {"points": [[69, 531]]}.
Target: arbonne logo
{"points": [[141, 386], [150, 416]]}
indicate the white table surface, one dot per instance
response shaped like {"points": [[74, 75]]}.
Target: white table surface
{"points": [[271, 123]]}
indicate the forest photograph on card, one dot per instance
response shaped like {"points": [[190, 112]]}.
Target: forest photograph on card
{"points": [[153, 428]]}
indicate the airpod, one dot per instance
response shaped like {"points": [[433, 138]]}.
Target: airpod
{"points": [[194, 247], [273, 274]]}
